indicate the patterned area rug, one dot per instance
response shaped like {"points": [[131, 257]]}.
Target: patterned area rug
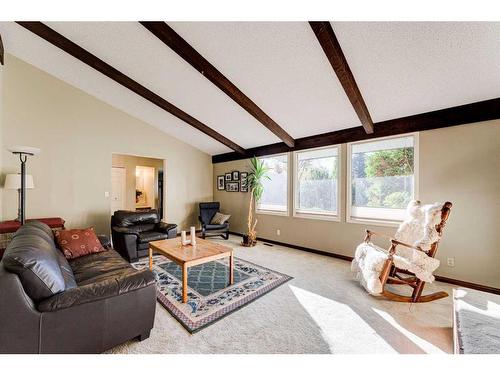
{"points": [[209, 296]]}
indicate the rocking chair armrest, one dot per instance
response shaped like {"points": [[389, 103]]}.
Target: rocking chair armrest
{"points": [[396, 242], [370, 233]]}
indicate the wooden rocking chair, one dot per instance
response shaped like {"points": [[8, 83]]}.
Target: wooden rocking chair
{"points": [[392, 275]]}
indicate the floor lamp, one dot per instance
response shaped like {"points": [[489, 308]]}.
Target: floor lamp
{"points": [[23, 152]]}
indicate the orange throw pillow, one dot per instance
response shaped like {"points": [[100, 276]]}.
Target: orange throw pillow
{"points": [[75, 243]]}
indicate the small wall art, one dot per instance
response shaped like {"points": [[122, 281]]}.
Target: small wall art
{"points": [[220, 183], [244, 182], [232, 186]]}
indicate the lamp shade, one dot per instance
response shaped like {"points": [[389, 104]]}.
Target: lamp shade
{"points": [[27, 150], [13, 181]]}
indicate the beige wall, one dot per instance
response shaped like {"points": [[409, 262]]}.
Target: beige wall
{"points": [[78, 134], [129, 163], [460, 164]]}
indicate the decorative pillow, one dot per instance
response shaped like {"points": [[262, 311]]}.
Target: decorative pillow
{"points": [[219, 218], [75, 243]]}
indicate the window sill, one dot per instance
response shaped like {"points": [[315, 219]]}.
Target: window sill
{"points": [[375, 222], [275, 213], [311, 216]]}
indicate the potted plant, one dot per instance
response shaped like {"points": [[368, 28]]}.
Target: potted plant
{"points": [[258, 172]]}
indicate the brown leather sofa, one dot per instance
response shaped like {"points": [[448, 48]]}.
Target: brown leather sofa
{"points": [[85, 305]]}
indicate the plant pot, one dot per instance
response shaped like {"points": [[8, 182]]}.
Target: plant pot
{"points": [[247, 241]]}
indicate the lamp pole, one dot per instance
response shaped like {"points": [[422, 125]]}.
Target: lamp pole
{"points": [[23, 158], [23, 152]]}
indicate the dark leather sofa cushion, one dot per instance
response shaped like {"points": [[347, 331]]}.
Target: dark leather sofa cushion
{"points": [[29, 228], [98, 266], [41, 226], [35, 261], [43, 231], [127, 218], [146, 237], [106, 288], [99, 276], [66, 271]]}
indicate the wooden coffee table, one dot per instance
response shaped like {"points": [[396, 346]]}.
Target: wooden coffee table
{"points": [[187, 256]]}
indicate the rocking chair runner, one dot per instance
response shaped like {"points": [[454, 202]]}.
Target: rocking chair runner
{"points": [[392, 275]]}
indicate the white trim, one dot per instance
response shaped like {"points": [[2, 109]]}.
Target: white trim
{"points": [[269, 212], [272, 212], [315, 216], [303, 214], [377, 221]]}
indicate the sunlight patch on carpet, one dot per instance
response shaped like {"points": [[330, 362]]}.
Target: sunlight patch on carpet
{"points": [[426, 346], [341, 327]]}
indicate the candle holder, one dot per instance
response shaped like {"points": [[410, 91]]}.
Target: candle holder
{"points": [[185, 241]]}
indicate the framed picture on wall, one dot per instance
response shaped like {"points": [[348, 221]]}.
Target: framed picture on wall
{"points": [[233, 186], [243, 182], [236, 176], [220, 183], [228, 176]]}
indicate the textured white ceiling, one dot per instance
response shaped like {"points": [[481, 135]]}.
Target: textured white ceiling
{"points": [[132, 49], [34, 50], [281, 67], [401, 69], [406, 68]]}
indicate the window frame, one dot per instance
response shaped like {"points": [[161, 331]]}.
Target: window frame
{"points": [[259, 211], [378, 221], [315, 215]]}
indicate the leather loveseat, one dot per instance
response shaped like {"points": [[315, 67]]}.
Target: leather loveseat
{"points": [[132, 231], [85, 305]]}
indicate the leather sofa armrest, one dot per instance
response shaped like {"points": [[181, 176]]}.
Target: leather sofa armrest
{"points": [[169, 229], [98, 291]]}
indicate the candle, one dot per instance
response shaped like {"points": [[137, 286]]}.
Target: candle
{"points": [[183, 237], [193, 236]]}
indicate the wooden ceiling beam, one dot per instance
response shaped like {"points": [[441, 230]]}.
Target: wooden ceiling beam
{"points": [[333, 51], [173, 40], [58, 40], [460, 115]]}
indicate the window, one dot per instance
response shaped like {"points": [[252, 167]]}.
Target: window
{"points": [[316, 183], [275, 196], [382, 178]]}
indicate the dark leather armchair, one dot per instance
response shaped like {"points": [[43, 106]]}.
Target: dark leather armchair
{"points": [[132, 231], [207, 212], [84, 305]]}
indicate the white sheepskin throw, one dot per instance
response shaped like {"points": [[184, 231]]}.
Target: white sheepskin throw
{"points": [[418, 229]]}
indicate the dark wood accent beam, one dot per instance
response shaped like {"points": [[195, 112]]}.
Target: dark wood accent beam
{"points": [[464, 114], [331, 47], [173, 40], [58, 40], [1, 51]]}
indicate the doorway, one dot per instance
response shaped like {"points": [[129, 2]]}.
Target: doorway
{"points": [[143, 183], [118, 189]]}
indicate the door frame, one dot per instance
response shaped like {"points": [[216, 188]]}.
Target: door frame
{"points": [[165, 188]]}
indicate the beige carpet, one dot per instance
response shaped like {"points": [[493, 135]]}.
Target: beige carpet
{"points": [[322, 310]]}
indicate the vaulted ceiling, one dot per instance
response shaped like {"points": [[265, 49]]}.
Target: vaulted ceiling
{"points": [[261, 83]]}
